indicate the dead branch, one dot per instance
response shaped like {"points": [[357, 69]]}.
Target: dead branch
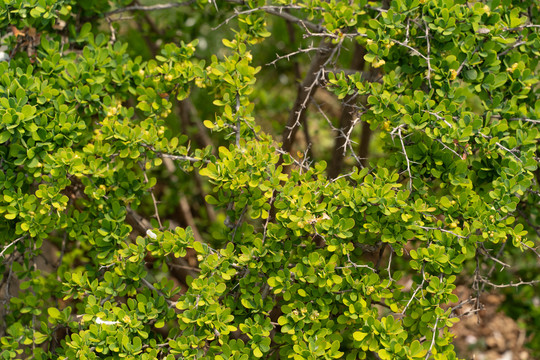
{"points": [[310, 83]]}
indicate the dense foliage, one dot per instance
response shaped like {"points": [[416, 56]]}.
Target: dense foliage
{"points": [[248, 179]]}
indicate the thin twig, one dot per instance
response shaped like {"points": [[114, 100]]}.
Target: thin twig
{"points": [[149, 7], [418, 288], [433, 339], [11, 244], [355, 265], [238, 128], [151, 287], [288, 56], [534, 121], [532, 249], [466, 57], [484, 250], [277, 11], [443, 230], [511, 284], [239, 221], [428, 57], [265, 226], [519, 28], [398, 129], [154, 201], [514, 45]]}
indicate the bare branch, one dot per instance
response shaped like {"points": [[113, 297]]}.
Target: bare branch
{"points": [[503, 147], [411, 48], [511, 284], [433, 339], [11, 244], [154, 201], [512, 47], [152, 287], [443, 230], [439, 117], [355, 265], [532, 249], [398, 129], [519, 28], [428, 57], [265, 227], [288, 56], [465, 60], [149, 7], [534, 121], [314, 74], [277, 11]]}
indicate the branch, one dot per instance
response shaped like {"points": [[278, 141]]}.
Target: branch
{"points": [[307, 89], [239, 222], [428, 57], [418, 288], [404, 153], [439, 117], [265, 226], [355, 265], [347, 119], [519, 28], [502, 147], [288, 56], [154, 200], [465, 60], [511, 284], [277, 11], [443, 230], [11, 244], [412, 49], [532, 249], [433, 339], [149, 7], [173, 157], [485, 252], [514, 45], [151, 287], [188, 217], [534, 121]]}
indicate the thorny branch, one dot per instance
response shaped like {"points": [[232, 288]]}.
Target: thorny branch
{"points": [[265, 226], [418, 288], [174, 157], [398, 130], [433, 339], [152, 287], [311, 81], [428, 57], [443, 230], [154, 200], [355, 265], [11, 244], [466, 58], [511, 152], [288, 56], [511, 284], [150, 7], [347, 143], [277, 11]]}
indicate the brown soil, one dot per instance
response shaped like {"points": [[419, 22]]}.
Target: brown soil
{"points": [[487, 334]]}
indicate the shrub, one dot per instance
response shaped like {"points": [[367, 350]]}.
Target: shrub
{"points": [[145, 213]]}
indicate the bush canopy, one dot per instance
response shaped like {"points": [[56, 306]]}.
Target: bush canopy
{"points": [[280, 179]]}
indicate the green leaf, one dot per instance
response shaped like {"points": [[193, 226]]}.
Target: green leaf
{"points": [[359, 336], [4, 136]]}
